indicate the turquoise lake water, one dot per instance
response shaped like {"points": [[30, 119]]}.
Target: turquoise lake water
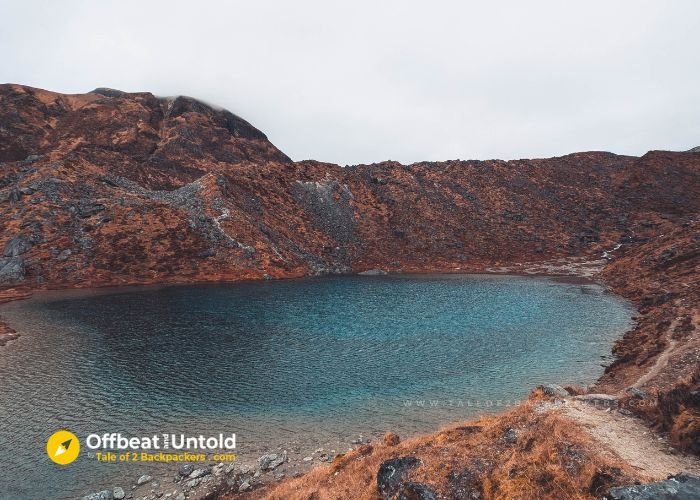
{"points": [[297, 363]]}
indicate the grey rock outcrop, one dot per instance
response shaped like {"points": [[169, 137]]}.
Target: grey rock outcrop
{"points": [[679, 487], [12, 269], [392, 473], [17, 246], [415, 491]]}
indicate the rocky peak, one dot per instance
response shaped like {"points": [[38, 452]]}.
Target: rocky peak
{"points": [[181, 131]]}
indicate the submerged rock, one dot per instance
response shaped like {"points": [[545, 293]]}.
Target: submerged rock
{"points": [[680, 487]]}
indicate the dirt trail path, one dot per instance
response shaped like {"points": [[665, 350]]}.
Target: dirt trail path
{"points": [[659, 365], [661, 360], [631, 440]]}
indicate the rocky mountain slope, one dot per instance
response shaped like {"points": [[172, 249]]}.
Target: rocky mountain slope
{"points": [[109, 188]]}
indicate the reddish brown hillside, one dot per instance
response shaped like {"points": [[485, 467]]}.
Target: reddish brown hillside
{"points": [[109, 187]]}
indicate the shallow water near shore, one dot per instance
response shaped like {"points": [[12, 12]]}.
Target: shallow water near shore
{"points": [[291, 364]]}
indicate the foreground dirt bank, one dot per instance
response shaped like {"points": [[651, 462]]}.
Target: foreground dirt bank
{"points": [[620, 434]]}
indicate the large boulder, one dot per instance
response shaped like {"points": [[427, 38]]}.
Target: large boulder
{"points": [[392, 473], [679, 487]]}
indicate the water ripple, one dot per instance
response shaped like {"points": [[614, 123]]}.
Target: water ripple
{"points": [[280, 361]]}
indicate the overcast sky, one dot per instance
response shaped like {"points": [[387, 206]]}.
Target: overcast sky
{"points": [[365, 81]]}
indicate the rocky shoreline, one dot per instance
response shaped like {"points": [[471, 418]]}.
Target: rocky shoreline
{"points": [[8, 334], [198, 481], [580, 269]]}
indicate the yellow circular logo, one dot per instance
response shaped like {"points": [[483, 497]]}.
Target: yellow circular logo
{"points": [[63, 447]]}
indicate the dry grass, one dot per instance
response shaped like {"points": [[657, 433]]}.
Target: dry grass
{"points": [[525, 453]]}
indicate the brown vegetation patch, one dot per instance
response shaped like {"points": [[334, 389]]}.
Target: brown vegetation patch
{"points": [[526, 453]]}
